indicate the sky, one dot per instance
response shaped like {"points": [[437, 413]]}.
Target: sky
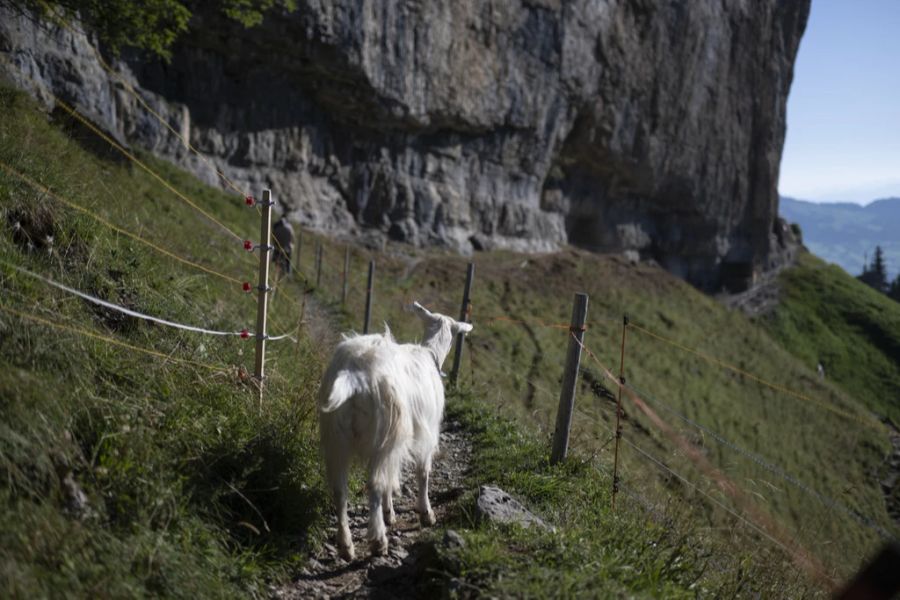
{"points": [[843, 116]]}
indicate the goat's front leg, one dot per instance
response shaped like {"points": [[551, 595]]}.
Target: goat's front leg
{"points": [[378, 543], [423, 470]]}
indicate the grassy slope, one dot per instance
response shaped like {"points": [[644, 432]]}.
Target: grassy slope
{"points": [[171, 456], [836, 455], [140, 434], [826, 315], [596, 551]]}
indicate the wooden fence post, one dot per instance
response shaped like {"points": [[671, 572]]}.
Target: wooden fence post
{"points": [[570, 381], [464, 317], [369, 296], [318, 263], [346, 274], [615, 481], [262, 307]]}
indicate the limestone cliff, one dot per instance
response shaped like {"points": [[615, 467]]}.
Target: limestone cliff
{"points": [[652, 127]]}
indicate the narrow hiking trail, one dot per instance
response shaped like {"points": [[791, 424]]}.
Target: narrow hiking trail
{"points": [[393, 576]]}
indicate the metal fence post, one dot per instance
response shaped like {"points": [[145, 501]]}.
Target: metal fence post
{"points": [[369, 286], [464, 313], [262, 307], [570, 381]]}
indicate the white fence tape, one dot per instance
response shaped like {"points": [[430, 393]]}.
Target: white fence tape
{"points": [[140, 315]]}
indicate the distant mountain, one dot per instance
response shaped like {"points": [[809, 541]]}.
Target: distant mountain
{"points": [[845, 233]]}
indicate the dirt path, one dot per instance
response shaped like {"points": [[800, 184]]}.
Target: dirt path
{"points": [[392, 576]]}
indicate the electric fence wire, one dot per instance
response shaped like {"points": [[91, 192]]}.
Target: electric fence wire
{"points": [[139, 315], [768, 466]]}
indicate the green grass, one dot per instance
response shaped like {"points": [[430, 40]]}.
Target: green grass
{"points": [[193, 487], [820, 433], [829, 317], [595, 552]]}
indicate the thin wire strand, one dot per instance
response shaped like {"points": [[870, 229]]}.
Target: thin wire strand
{"points": [[138, 315], [110, 340], [772, 468], [72, 111], [800, 555], [127, 85], [165, 123], [718, 502], [780, 388], [43, 189], [150, 171], [121, 309], [491, 320]]}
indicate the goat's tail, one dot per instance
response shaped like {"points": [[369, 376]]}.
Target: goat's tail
{"points": [[344, 386]]}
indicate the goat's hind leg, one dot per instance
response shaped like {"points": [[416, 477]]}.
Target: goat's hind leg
{"points": [[423, 472], [338, 467], [377, 534]]}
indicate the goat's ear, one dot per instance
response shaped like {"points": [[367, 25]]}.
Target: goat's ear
{"points": [[463, 327], [422, 311]]}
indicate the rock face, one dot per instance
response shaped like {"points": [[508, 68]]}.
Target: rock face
{"points": [[649, 127]]}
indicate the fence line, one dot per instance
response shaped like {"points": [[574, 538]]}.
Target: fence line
{"points": [[165, 123], [110, 340], [800, 555], [86, 122], [45, 190], [772, 468], [711, 359], [761, 522], [712, 498], [244, 333]]}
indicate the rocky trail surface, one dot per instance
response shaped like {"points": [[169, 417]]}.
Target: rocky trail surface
{"points": [[394, 575]]}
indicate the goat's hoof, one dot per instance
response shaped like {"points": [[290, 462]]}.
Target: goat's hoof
{"points": [[427, 519], [346, 552], [389, 518], [379, 547]]}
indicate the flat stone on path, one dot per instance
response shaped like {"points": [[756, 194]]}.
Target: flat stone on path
{"points": [[496, 505]]}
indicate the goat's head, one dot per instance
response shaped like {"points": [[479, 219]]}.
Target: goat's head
{"points": [[439, 330]]}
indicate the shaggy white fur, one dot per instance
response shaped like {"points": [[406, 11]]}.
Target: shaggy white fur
{"points": [[383, 402]]}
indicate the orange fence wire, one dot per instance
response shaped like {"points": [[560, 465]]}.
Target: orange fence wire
{"points": [[45, 190], [799, 554]]}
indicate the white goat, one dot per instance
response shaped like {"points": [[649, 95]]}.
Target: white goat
{"points": [[383, 402]]}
